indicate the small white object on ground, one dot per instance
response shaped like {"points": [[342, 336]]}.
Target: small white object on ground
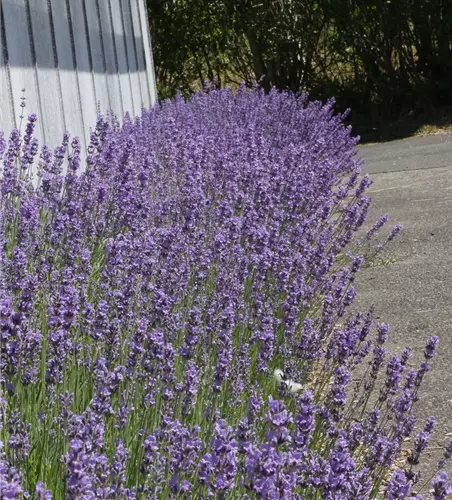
{"points": [[293, 387]]}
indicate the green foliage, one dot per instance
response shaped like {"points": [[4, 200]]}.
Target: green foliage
{"points": [[380, 57]]}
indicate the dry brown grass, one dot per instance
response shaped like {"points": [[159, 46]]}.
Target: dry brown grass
{"points": [[432, 129], [433, 122]]}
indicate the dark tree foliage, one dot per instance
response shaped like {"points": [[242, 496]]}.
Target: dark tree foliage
{"points": [[381, 57]]}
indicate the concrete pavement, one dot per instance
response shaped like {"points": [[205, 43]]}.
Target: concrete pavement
{"points": [[413, 184], [414, 153]]}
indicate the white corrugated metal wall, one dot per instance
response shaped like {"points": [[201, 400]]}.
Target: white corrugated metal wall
{"points": [[73, 57]]}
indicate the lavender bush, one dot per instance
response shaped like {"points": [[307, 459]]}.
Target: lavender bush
{"points": [[147, 303]]}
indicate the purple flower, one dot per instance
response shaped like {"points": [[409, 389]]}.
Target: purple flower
{"points": [[406, 355], [277, 414], [305, 420], [219, 467], [394, 374], [398, 487], [441, 486], [382, 333], [271, 473], [79, 481], [448, 450], [382, 451], [377, 225], [377, 361], [163, 279], [337, 396], [421, 441], [341, 469], [19, 441], [394, 231], [191, 386], [430, 347], [42, 493], [10, 478], [118, 472]]}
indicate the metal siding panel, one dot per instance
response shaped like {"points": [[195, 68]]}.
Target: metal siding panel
{"points": [[6, 115], [68, 76], [114, 87], [88, 99], [151, 68], [22, 69], [124, 76], [97, 56], [68, 52], [131, 56], [148, 50], [50, 95], [145, 91]]}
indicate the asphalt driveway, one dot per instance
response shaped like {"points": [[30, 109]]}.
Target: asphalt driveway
{"points": [[413, 184]]}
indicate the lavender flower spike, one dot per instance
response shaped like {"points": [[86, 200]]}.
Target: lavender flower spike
{"points": [[441, 486]]}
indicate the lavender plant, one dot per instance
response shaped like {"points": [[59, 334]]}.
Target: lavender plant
{"points": [[148, 300]]}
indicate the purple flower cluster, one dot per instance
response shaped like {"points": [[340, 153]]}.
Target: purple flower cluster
{"points": [[147, 301]]}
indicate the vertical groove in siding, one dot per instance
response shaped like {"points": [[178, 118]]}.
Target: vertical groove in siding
{"points": [[139, 46], [113, 80], [55, 57], [46, 74], [135, 55], [148, 34], [102, 49], [116, 56], [133, 110], [35, 69], [7, 70], [143, 36], [74, 59], [90, 56]]}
